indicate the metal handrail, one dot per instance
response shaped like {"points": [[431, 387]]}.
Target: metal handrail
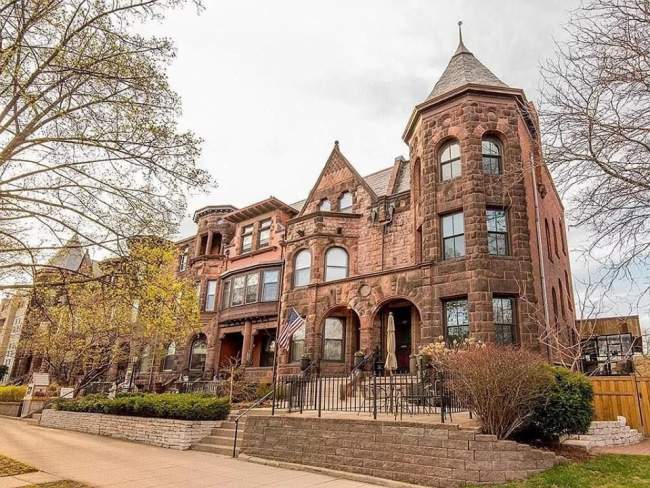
{"points": [[257, 402]]}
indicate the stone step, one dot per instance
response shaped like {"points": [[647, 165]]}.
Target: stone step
{"points": [[218, 440], [577, 443], [225, 451], [229, 425], [221, 432]]}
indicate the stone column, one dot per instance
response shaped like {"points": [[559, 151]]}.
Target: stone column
{"points": [[366, 333], [208, 246], [248, 342]]}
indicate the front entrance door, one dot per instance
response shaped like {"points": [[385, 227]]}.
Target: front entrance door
{"points": [[403, 338]]}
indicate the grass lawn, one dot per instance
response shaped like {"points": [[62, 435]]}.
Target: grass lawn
{"points": [[607, 471], [9, 467]]}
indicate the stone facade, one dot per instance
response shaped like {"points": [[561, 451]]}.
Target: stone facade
{"points": [[603, 433], [426, 454], [169, 433]]}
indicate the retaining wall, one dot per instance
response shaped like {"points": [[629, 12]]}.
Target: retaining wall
{"points": [[10, 409], [173, 434], [432, 455]]}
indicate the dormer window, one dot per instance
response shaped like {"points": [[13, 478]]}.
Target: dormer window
{"points": [[265, 233], [325, 205], [247, 239], [450, 161], [345, 203]]}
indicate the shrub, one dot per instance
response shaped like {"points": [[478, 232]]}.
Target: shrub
{"points": [[182, 406], [12, 393], [567, 407], [502, 384]]}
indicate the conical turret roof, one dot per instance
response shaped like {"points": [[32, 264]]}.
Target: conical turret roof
{"points": [[464, 69]]}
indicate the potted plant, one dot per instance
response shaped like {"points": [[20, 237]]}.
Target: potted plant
{"points": [[305, 361]]}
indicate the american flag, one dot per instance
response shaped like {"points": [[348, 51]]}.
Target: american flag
{"points": [[294, 322]]}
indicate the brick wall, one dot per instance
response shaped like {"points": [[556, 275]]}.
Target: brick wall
{"points": [[172, 434], [427, 454]]}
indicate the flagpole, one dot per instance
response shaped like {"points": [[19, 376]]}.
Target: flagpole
{"points": [[275, 369]]}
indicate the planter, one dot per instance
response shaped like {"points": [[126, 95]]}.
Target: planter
{"points": [[169, 433], [10, 409]]}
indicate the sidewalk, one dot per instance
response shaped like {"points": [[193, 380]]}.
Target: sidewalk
{"points": [[105, 462]]}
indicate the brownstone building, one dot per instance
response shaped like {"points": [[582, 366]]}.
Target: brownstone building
{"points": [[465, 237]]}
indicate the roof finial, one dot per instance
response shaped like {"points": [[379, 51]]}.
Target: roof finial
{"points": [[461, 49], [460, 31]]}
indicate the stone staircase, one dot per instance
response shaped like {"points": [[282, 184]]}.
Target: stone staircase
{"points": [[605, 433], [222, 437]]}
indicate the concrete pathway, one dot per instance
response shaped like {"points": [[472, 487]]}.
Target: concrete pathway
{"points": [[105, 462]]}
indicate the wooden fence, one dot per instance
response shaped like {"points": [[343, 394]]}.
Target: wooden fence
{"points": [[628, 396]]}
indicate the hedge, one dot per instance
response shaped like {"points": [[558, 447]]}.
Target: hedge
{"points": [[567, 407], [180, 406], [12, 393]]}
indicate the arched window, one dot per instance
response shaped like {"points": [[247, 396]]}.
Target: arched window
{"points": [[198, 353], [569, 298], [302, 268], [491, 156], [333, 339], [556, 318], [548, 240], [450, 161], [557, 252], [561, 291], [298, 344], [345, 202], [325, 205], [184, 257], [336, 264], [170, 356]]}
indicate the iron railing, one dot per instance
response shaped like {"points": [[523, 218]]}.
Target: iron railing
{"points": [[367, 392]]}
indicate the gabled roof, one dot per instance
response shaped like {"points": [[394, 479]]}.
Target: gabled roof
{"points": [[336, 153], [69, 257], [464, 69]]}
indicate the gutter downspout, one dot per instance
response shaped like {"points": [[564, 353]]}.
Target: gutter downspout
{"points": [[540, 251]]}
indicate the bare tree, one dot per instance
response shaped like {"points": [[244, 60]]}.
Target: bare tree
{"points": [[596, 118], [89, 141]]}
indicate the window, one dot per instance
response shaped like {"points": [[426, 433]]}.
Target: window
{"points": [[145, 360], [557, 252], [251, 287], [333, 339], [270, 285], [210, 295], [265, 233], [215, 246], [268, 350], [247, 239], [298, 344], [302, 268], [456, 320], [548, 240], [238, 284], [561, 292], [497, 227], [325, 205], [336, 264], [568, 290], [555, 311], [170, 356], [198, 353], [453, 235], [182, 262], [563, 237], [450, 161], [225, 294], [504, 319], [345, 203], [491, 156]]}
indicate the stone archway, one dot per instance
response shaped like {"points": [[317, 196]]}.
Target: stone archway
{"points": [[338, 338], [407, 331]]}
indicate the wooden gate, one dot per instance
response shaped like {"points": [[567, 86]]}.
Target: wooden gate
{"points": [[627, 396]]}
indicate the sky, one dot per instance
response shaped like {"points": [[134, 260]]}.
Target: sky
{"points": [[270, 86]]}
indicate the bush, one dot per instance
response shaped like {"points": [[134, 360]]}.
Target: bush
{"points": [[12, 393], [181, 406], [502, 384], [567, 407]]}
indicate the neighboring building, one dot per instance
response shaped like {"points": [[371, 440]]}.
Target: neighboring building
{"points": [[609, 343], [12, 316]]}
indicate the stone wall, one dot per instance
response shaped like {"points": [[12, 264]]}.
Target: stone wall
{"points": [[10, 409], [432, 455], [603, 433], [169, 433]]}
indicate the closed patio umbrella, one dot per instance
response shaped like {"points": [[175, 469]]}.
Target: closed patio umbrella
{"points": [[391, 358]]}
